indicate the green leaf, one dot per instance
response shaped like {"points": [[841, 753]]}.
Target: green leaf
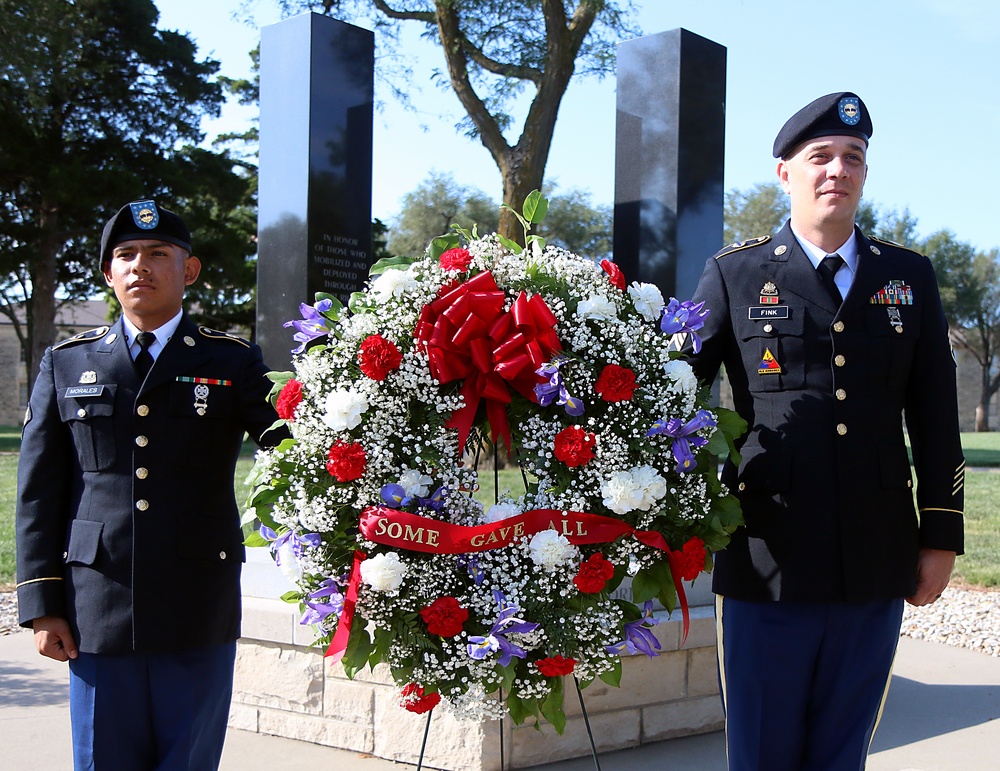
{"points": [[535, 207], [613, 677], [514, 246], [290, 597], [524, 223], [399, 263], [256, 540], [357, 304], [442, 244], [644, 586], [552, 707], [359, 648]]}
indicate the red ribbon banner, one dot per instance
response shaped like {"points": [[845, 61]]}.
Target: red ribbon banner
{"points": [[411, 532], [468, 336]]}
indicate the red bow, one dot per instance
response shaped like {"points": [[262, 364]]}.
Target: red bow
{"points": [[468, 336]]}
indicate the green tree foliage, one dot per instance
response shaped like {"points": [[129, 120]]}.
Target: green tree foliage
{"points": [[970, 293], [97, 107], [495, 50], [431, 209], [759, 211], [572, 222]]}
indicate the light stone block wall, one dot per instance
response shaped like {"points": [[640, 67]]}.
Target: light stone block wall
{"points": [[284, 687]]}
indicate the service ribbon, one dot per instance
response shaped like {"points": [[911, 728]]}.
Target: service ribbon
{"points": [[412, 532]]}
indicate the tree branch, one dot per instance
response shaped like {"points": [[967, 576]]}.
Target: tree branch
{"points": [[425, 16]]}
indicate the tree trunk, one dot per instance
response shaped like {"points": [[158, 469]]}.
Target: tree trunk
{"points": [[41, 306], [983, 408]]}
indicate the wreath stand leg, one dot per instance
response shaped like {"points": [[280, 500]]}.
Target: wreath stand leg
{"points": [[503, 765], [586, 721], [423, 744]]}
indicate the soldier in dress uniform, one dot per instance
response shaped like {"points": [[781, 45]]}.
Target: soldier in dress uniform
{"points": [[830, 338], [128, 534]]}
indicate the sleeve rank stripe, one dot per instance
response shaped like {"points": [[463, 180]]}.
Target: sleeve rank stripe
{"points": [[37, 580]]}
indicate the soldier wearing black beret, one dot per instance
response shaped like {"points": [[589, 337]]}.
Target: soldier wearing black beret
{"points": [[832, 341], [129, 546]]}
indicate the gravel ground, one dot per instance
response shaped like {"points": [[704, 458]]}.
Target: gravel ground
{"points": [[962, 617]]}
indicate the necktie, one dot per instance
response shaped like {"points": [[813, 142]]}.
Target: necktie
{"points": [[144, 359], [827, 269]]}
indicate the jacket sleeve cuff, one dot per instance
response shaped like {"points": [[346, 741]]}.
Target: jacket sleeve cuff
{"points": [[942, 529]]}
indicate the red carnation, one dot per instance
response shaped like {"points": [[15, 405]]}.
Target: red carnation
{"points": [[615, 275], [415, 700], [692, 559], [346, 461], [289, 399], [378, 357], [574, 446], [594, 574], [556, 666], [444, 616], [456, 259], [615, 384]]}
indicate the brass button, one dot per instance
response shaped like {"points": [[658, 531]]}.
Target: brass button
{"points": [[841, 394], [65, 554], [141, 472], [838, 326], [141, 441], [768, 328], [841, 429], [909, 483], [743, 486], [899, 330], [840, 361], [142, 504], [143, 410], [222, 555], [81, 413]]}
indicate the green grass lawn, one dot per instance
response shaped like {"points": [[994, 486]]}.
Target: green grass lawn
{"points": [[980, 566]]}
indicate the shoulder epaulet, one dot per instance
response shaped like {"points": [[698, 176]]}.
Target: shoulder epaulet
{"points": [[886, 242], [83, 337], [740, 245], [216, 334]]}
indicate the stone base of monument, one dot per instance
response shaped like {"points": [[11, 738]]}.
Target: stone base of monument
{"points": [[284, 687]]}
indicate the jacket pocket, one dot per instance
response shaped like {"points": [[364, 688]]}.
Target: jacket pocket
{"points": [[89, 413], [84, 542], [772, 347]]}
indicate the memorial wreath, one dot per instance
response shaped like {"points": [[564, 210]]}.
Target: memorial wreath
{"points": [[369, 506]]}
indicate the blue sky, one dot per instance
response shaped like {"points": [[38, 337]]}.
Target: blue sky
{"points": [[928, 70]]}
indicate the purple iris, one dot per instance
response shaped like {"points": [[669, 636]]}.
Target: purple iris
{"points": [[395, 497], [684, 440], [638, 637], [470, 563], [298, 543], [507, 623], [684, 317], [326, 600], [555, 389], [311, 325]]}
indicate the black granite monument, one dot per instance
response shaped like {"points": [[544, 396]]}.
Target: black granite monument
{"points": [[314, 222], [669, 151]]}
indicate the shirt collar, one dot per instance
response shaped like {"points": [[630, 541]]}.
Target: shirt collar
{"points": [[848, 250], [163, 333]]}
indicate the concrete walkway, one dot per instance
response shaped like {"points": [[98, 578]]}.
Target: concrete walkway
{"points": [[941, 716]]}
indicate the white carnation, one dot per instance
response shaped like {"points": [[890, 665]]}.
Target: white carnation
{"points": [[393, 283], [628, 491], [681, 376], [651, 486], [383, 572], [647, 299], [415, 483], [344, 408], [597, 307], [549, 549], [502, 510], [287, 562]]}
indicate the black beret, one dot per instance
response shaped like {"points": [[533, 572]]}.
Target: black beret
{"points": [[840, 114], [143, 220]]}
